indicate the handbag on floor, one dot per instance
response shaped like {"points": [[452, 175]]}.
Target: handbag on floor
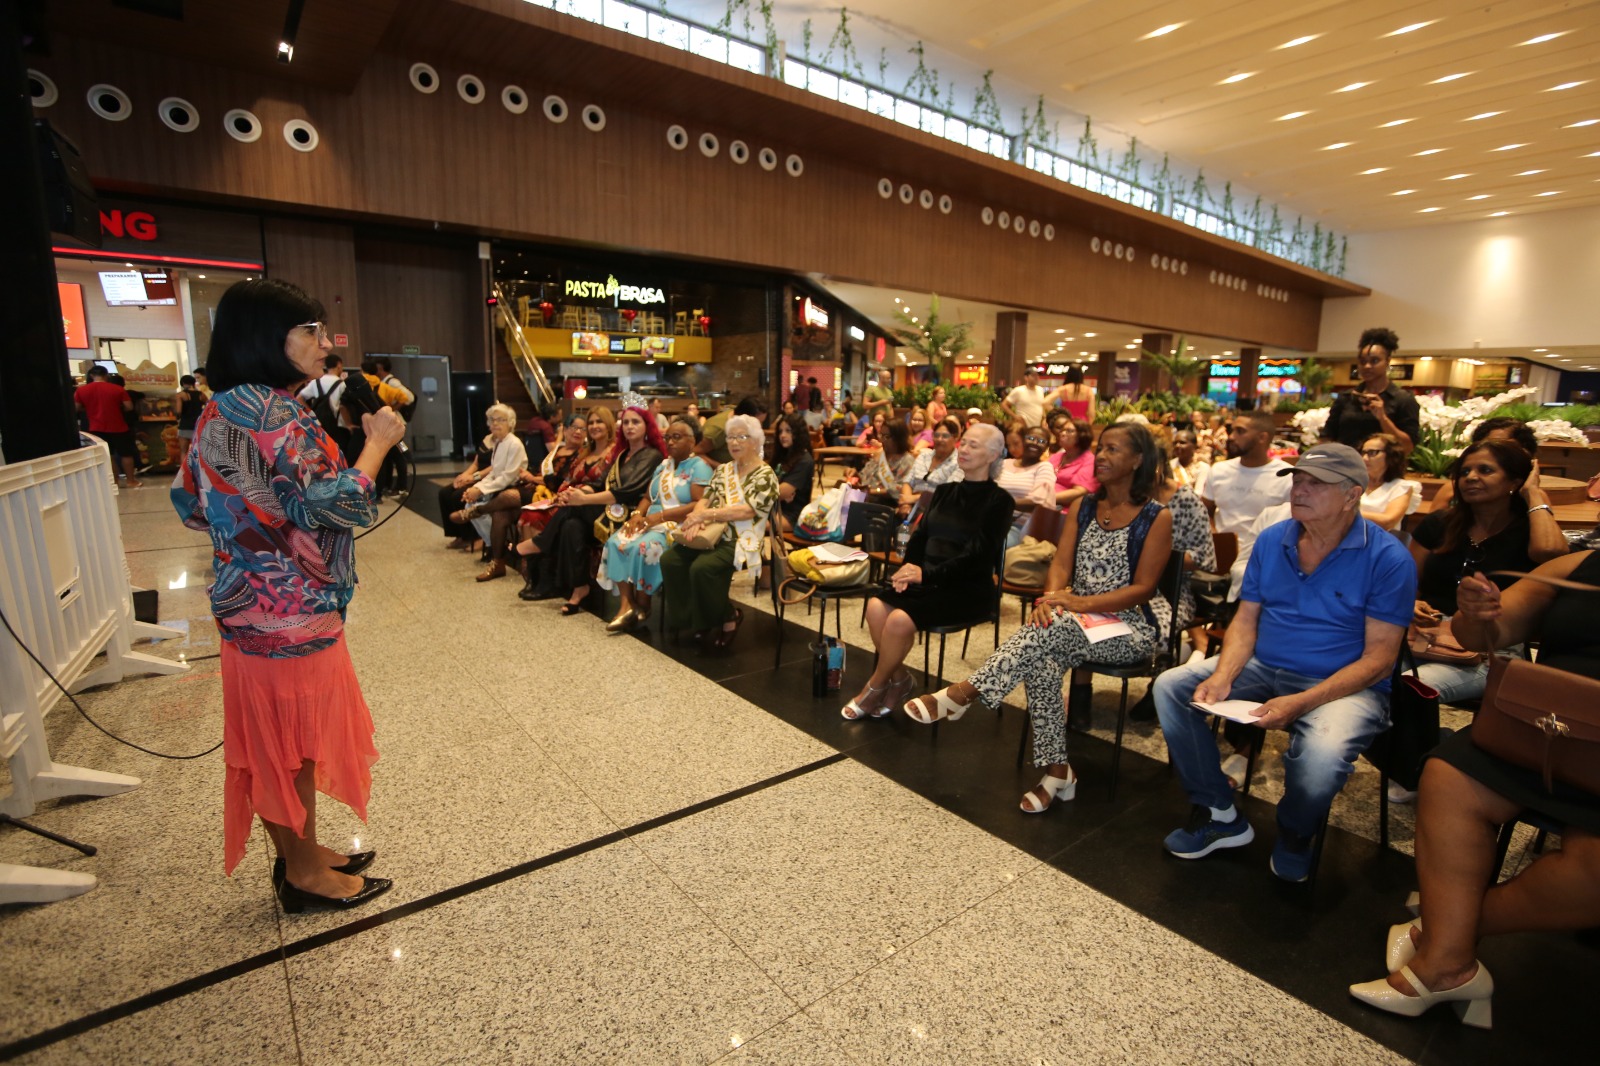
{"points": [[1542, 719]]}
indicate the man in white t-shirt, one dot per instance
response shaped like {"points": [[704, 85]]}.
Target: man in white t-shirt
{"points": [[1026, 402], [1239, 488]]}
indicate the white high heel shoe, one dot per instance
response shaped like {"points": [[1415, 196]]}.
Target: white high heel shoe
{"points": [[1471, 1000], [935, 707], [1056, 788], [1401, 948]]}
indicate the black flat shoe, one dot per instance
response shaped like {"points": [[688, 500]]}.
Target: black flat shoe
{"points": [[357, 861], [295, 900], [570, 609]]}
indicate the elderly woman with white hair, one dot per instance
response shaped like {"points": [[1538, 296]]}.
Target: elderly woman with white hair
{"points": [[482, 483], [948, 576], [1113, 547], [740, 498]]}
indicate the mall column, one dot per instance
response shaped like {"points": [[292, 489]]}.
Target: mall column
{"points": [[1153, 378], [36, 414], [1106, 379], [1010, 350], [1249, 364]]}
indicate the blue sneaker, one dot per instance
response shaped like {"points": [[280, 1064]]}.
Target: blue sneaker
{"points": [[1291, 856], [1204, 834]]}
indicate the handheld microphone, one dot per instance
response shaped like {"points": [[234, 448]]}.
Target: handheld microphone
{"points": [[358, 393]]}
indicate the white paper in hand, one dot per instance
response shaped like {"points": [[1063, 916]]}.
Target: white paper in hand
{"points": [[1234, 710]]}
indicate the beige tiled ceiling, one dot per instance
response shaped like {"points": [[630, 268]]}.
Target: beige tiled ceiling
{"points": [[1359, 79]]}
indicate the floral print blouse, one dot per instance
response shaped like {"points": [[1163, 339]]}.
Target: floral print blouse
{"points": [[272, 489]]}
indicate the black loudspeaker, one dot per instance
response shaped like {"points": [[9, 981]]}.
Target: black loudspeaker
{"points": [[69, 195]]}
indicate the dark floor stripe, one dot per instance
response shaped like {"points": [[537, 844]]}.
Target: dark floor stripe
{"points": [[88, 1022]]}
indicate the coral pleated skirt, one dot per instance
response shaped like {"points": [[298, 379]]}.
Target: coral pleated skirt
{"points": [[278, 713]]}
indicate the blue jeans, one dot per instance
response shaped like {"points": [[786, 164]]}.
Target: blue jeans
{"points": [[1323, 743]]}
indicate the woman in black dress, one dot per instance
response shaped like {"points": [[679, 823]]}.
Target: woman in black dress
{"points": [[948, 576], [1467, 794], [795, 467]]}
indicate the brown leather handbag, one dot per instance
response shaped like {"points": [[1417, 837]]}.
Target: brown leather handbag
{"points": [[1542, 719]]}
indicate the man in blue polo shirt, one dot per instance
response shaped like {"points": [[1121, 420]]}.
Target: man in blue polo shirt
{"points": [[1326, 599]]}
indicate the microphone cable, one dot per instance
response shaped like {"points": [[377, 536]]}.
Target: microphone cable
{"points": [[120, 740]]}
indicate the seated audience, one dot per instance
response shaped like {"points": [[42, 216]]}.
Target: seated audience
{"points": [[870, 430], [497, 493], [711, 443], [632, 559], [587, 470], [486, 477], [1390, 496], [1325, 602], [1187, 468], [1246, 483], [1466, 794], [1073, 459], [1501, 520], [741, 497], [1109, 559], [1512, 429], [934, 466], [937, 411], [921, 431], [532, 485], [974, 416], [562, 550], [796, 470], [888, 470], [461, 534], [1027, 477], [948, 575]]}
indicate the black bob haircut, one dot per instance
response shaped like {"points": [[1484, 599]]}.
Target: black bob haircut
{"points": [[1151, 460], [253, 322]]}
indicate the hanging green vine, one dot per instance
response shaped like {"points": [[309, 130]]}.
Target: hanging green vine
{"points": [[1228, 217], [842, 40], [1344, 249], [1130, 166], [924, 81], [883, 67], [772, 38], [735, 7], [805, 40], [1088, 148], [1163, 185], [1199, 193], [985, 105], [1037, 132]]}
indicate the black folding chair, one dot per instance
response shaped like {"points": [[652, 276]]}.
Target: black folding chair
{"points": [[869, 523]]}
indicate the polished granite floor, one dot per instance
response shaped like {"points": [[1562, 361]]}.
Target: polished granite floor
{"points": [[615, 849]]}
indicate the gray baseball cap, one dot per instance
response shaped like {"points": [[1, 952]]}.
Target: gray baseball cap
{"points": [[1331, 463]]}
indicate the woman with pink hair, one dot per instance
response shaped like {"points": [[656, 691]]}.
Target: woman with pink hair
{"points": [[562, 550]]}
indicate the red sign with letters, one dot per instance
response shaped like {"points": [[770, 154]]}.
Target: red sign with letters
{"points": [[341, 340], [134, 225]]}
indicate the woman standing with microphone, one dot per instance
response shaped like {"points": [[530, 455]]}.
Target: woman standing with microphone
{"points": [[271, 488]]}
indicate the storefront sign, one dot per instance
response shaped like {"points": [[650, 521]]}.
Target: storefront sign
{"points": [[1397, 371], [972, 375], [342, 340], [1052, 370], [411, 349], [625, 345], [596, 291], [135, 225], [1266, 368], [74, 322], [812, 315], [857, 333]]}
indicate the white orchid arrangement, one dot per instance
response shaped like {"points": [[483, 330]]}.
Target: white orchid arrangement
{"points": [[1309, 423]]}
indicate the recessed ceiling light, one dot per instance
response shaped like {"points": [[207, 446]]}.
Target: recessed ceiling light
{"points": [[1403, 192], [1353, 86], [1292, 114], [1592, 155], [1336, 144], [1297, 41], [1429, 151], [1375, 170], [1553, 192], [1567, 85], [1130, 346], [1163, 31], [1455, 177], [1396, 122], [1542, 350], [1410, 28], [1543, 37], [1429, 210], [1452, 77], [1233, 79], [1486, 114], [1497, 214], [1577, 125], [1509, 147], [1528, 173], [1227, 353], [1480, 196], [1091, 334]]}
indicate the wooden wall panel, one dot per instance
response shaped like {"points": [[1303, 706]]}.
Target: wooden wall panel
{"points": [[424, 295], [389, 152], [319, 257]]}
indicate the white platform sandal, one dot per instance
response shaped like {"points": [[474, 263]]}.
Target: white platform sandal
{"points": [[1056, 788]]}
